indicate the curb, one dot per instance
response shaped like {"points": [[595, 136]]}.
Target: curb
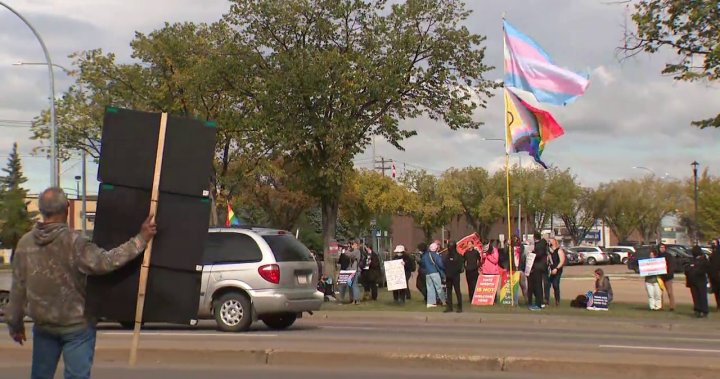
{"points": [[447, 362]]}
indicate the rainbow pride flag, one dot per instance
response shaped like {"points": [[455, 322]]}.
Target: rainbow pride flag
{"points": [[528, 67], [530, 128], [232, 219]]}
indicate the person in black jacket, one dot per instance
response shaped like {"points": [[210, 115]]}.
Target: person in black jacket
{"points": [[714, 274], [420, 282], [668, 278], [696, 279], [538, 273], [454, 266], [472, 267], [399, 296], [371, 273]]}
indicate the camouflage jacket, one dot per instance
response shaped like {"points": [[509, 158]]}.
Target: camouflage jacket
{"points": [[49, 271]]}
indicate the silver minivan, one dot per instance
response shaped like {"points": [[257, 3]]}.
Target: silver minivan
{"points": [[256, 274]]}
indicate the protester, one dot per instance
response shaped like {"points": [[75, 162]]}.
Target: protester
{"points": [[371, 273], [537, 273], [556, 260], [420, 281], [696, 279], [400, 254], [667, 279], [49, 271], [491, 259], [432, 264], [350, 259], [602, 284], [714, 268], [454, 266], [472, 265], [519, 256], [653, 287]]}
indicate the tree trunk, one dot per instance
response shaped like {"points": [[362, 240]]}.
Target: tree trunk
{"points": [[329, 225]]}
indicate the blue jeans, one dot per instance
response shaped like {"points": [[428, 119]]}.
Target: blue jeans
{"points": [[77, 348], [435, 289], [352, 286], [554, 282]]}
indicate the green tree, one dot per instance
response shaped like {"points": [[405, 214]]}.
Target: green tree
{"points": [[690, 28], [708, 206], [476, 194], [15, 220], [622, 206], [367, 196], [335, 73], [582, 215], [659, 198], [543, 193], [426, 205]]}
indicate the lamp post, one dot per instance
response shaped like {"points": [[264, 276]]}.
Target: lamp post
{"points": [[54, 167], [695, 165], [83, 152]]}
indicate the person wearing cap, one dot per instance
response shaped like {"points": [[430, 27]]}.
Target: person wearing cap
{"points": [[399, 296], [434, 269]]}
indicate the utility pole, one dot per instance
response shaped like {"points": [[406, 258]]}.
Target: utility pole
{"points": [[382, 164]]}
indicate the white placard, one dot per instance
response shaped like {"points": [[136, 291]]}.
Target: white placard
{"points": [[652, 266], [395, 275], [529, 260]]}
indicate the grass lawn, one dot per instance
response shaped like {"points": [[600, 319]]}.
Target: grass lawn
{"points": [[617, 310]]}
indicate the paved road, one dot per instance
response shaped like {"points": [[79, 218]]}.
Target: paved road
{"points": [[453, 342], [266, 372]]}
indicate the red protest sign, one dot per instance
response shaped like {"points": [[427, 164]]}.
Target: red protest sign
{"points": [[463, 244], [486, 289]]}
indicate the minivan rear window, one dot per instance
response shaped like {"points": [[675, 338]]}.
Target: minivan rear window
{"points": [[287, 249]]}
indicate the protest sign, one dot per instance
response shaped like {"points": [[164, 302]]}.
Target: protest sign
{"points": [[344, 276], [463, 244], [652, 266], [598, 301], [505, 285], [529, 261], [485, 290], [395, 275]]}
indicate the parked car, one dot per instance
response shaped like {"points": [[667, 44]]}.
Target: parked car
{"points": [[614, 258], [623, 251], [591, 255], [254, 274], [680, 252], [572, 258]]}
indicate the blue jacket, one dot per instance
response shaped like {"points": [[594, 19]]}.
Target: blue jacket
{"points": [[430, 268]]}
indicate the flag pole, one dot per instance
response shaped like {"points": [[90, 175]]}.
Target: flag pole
{"points": [[509, 246]]}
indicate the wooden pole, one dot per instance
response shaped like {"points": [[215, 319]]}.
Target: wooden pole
{"points": [[148, 252]]}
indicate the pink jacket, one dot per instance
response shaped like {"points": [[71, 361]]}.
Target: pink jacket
{"points": [[490, 263]]}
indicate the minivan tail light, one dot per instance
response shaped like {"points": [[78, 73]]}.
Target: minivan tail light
{"points": [[271, 273]]}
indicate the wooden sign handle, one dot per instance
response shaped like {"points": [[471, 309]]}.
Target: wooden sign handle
{"points": [[148, 252]]}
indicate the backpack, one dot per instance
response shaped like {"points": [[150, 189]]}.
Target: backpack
{"points": [[579, 302]]}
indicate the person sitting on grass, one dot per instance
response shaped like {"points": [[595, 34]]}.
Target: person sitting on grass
{"points": [[602, 284]]}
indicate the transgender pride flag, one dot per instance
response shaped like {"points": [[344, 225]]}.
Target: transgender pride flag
{"points": [[528, 67]]}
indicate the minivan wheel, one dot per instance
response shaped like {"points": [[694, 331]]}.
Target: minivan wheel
{"points": [[591, 261], [281, 321], [232, 313], [624, 261]]}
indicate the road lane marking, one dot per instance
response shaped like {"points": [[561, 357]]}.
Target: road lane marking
{"points": [[177, 334], [659, 348]]}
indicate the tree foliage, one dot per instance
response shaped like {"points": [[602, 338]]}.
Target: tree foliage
{"points": [[690, 28], [585, 210], [708, 206], [543, 193], [427, 206], [477, 195], [15, 220]]}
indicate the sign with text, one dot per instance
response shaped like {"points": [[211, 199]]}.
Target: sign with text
{"points": [[652, 266], [529, 261], [505, 285], [463, 244], [395, 275], [598, 301], [345, 276], [485, 290]]}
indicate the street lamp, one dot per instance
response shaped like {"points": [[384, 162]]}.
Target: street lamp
{"points": [[54, 167], [695, 165], [83, 152]]}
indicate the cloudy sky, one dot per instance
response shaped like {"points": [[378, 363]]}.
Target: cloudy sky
{"points": [[630, 115]]}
